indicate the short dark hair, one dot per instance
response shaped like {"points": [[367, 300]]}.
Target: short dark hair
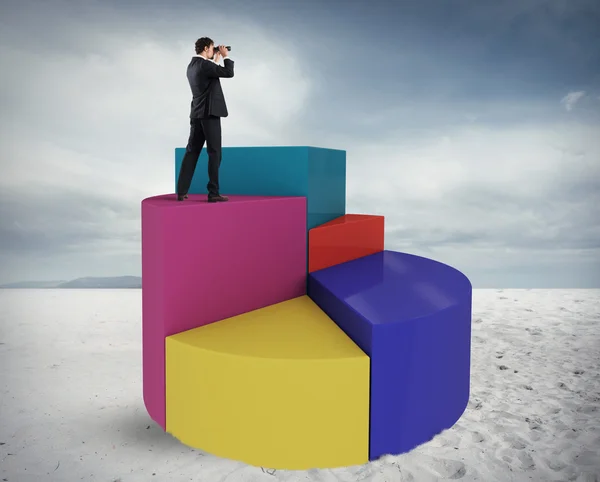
{"points": [[203, 42]]}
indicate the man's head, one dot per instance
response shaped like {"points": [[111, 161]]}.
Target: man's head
{"points": [[205, 47]]}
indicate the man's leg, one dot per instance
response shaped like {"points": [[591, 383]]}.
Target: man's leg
{"points": [[212, 129], [190, 159]]}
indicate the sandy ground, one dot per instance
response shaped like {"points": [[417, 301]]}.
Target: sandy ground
{"points": [[71, 406]]}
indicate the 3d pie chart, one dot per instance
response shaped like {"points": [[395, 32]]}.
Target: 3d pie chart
{"points": [[278, 331]]}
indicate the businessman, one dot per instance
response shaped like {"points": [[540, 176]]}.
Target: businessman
{"points": [[207, 108]]}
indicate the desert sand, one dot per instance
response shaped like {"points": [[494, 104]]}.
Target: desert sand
{"points": [[71, 403]]}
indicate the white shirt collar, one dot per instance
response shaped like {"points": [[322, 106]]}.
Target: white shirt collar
{"points": [[210, 60]]}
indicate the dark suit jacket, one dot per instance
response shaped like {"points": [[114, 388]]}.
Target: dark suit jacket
{"points": [[207, 95]]}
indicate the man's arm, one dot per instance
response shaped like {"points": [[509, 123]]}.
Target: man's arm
{"points": [[214, 70]]}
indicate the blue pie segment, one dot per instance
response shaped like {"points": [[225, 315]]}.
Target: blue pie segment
{"points": [[412, 316]]}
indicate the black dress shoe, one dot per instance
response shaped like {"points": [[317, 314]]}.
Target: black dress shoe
{"points": [[217, 198], [181, 197]]}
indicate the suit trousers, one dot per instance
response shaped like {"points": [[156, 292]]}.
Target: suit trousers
{"points": [[202, 130]]}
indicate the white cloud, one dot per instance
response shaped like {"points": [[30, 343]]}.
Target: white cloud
{"points": [[571, 99], [87, 132], [88, 128], [117, 112], [520, 158], [483, 197]]}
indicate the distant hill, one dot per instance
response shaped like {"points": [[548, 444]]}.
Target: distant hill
{"points": [[34, 284], [115, 282]]}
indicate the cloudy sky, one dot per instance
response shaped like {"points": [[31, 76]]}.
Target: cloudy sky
{"points": [[472, 125]]}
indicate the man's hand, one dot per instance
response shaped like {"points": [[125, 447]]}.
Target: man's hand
{"points": [[217, 57], [223, 51]]}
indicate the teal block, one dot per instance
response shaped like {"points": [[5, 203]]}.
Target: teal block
{"points": [[314, 172]]}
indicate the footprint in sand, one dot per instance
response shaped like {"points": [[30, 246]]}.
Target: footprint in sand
{"points": [[449, 469], [526, 460], [477, 437], [535, 423], [534, 331], [587, 409], [555, 464], [514, 441]]}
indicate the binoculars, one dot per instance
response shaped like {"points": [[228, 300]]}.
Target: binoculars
{"points": [[217, 47]]}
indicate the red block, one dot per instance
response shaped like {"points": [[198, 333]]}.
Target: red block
{"points": [[346, 238]]}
